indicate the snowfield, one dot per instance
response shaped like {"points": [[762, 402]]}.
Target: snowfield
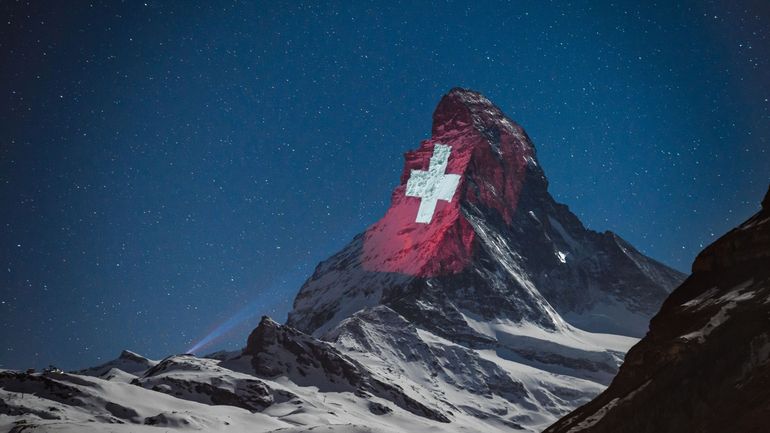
{"points": [[187, 393]]}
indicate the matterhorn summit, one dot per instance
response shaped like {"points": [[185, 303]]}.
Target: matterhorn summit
{"points": [[476, 303], [473, 230]]}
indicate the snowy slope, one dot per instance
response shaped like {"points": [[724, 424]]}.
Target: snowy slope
{"points": [[526, 379], [380, 373], [408, 381]]}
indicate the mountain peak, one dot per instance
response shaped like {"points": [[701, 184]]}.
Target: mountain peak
{"points": [[472, 212], [457, 107], [462, 108], [476, 157], [263, 336], [131, 356], [459, 100]]}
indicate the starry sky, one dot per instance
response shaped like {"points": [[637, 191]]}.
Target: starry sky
{"points": [[169, 172]]}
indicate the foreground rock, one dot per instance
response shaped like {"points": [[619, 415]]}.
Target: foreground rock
{"points": [[705, 365]]}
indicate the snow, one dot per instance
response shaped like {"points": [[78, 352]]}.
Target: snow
{"points": [[573, 244], [526, 377], [729, 300], [127, 362], [129, 408], [568, 351], [609, 315], [439, 370], [342, 290], [709, 298], [704, 297], [569, 336], [495, 243], [737, 294], [561, 256], [599, 414], [102, 400], [470, 382]]}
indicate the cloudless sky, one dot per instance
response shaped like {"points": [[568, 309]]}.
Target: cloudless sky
{"points": [[169, 170]]}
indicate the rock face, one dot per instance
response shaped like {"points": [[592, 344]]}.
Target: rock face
{"points": [[499, 248], [476, 273], [203, 380], [705, 364]]}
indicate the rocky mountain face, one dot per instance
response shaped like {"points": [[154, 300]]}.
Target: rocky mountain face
{"points": [[500, 248], [476, 263], [705, 364], [281, 351], [477, 303]]}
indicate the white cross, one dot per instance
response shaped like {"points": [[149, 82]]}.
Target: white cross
{"points": [[432, 185]]}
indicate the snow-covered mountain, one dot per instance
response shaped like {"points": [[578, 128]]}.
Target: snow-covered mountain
{"points": [[501, 248], [705, 364], [477, 303]]}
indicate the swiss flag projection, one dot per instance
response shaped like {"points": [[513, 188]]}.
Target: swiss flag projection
{"points": [[475, 155], [423, 233]]}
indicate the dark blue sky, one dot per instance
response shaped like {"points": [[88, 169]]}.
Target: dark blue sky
{"points": [[166, 167]]}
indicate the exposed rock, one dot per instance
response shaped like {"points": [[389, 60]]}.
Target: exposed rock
{"points": [[501, 248], [205, 381], [281, 350]]}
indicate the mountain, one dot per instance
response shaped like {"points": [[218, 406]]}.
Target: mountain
{"points": [[705, 364], [500, 248], [477, 281], [477, 303]]}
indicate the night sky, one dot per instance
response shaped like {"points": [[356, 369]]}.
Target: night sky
{"points": [[170, 170]]}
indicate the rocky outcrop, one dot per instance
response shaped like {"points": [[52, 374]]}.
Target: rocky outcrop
{"points": [[277, 350], [705, 364], [203, 380]]}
